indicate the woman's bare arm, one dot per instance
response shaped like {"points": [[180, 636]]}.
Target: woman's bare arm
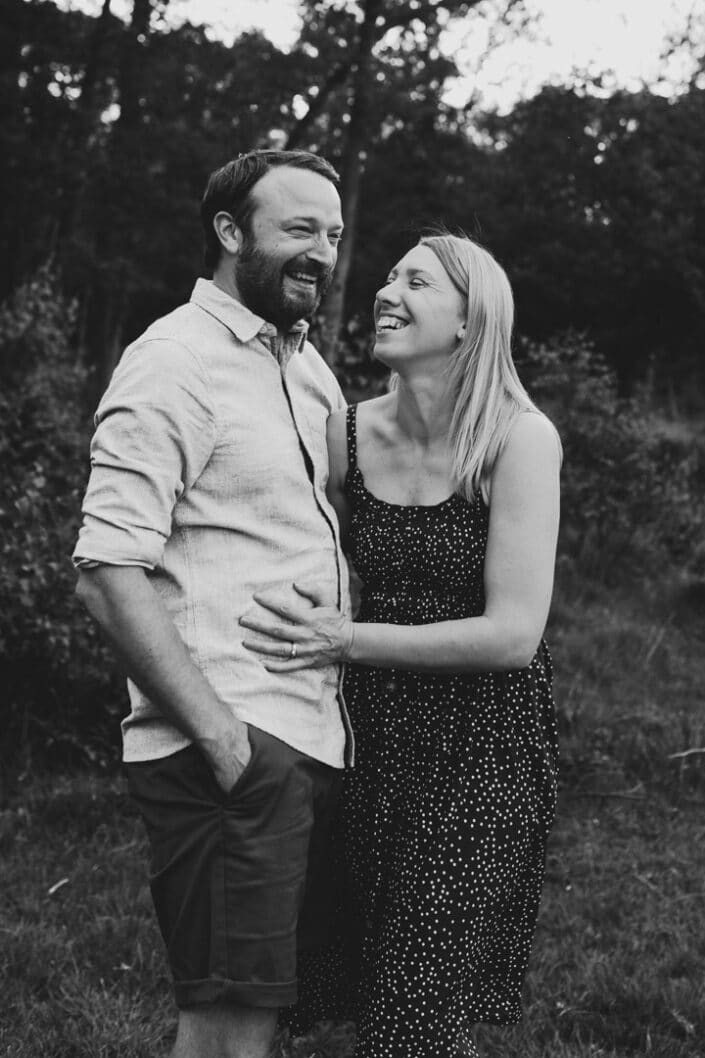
{"points": [[519, 566]]}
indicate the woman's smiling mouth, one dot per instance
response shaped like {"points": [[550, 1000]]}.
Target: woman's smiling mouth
{"points": [[390, 323]]}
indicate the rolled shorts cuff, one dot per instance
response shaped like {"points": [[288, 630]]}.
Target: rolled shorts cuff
{"points": [[235, 993]]}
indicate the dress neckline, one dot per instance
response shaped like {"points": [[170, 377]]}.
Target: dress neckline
{"points": [[354, 469], [441, 505]]}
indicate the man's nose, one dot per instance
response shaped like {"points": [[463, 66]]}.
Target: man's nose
{"points": [[323, 251]]}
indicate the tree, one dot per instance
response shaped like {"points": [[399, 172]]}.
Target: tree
{"points": [[384, 67], [597, 208], [42, 51]]}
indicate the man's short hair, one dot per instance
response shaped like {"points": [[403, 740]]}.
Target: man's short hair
{"points": [[229, 189]]}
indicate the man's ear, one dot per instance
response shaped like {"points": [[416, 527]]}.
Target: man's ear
{"points": [[229, 235]]}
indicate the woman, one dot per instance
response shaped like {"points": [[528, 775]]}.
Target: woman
{"points": [[447, 490]]}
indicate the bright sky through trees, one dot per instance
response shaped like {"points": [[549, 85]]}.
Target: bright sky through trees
{"points": [[623, 39]]}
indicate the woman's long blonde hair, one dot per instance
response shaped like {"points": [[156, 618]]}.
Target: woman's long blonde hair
{"points": [[488, 395]]}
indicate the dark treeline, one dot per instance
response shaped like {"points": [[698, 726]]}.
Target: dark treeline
{"points": [[596, 205]]}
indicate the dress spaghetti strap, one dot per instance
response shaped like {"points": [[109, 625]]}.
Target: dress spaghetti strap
{"points": [[351, 428]]}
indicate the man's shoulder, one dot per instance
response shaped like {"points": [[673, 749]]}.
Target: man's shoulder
{"points": [[172, 350], [185, 338], [183, 325]]}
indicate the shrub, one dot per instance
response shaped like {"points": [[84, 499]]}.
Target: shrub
{"points": [[632, 494], [60, 697]]}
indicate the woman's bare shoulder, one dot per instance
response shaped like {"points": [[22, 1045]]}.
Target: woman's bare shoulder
{"points": [[532, 433], [371, 417], [532, 451]]}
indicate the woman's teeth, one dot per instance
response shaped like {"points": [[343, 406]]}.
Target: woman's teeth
{"points": [[390, 323]]}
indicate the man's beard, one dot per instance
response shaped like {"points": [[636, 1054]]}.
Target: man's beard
{"points": [[260, 282]]}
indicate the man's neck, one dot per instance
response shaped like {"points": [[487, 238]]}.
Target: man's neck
{"points": [[225, 281]]}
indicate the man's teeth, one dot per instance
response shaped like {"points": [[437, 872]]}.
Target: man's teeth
{"points": [[390, 323], [303, 277]]}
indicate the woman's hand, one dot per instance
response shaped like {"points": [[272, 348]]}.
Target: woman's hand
{"points": [[296, 631]]}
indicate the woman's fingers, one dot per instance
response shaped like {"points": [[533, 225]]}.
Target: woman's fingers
{"points": [[273, 648], [312, 592], [286, 666], [268, 628], [263, 646], [282, 607]]}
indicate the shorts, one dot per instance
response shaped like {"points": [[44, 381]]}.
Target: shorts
{"points": [[240, 881]]}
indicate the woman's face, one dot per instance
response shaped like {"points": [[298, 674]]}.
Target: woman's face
{"points": [[418, 311]]}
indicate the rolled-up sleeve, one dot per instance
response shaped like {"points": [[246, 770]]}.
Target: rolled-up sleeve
{"points": [[155, 431]]}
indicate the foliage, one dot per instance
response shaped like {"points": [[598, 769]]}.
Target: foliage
{"points": [[57, 695], [594, 203], [596, 206], [633, 495]]}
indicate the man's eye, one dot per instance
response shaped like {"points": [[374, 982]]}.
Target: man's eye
{"points": [[335, 238], [417, 282]]}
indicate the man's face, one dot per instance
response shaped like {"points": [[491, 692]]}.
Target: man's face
{"points": [[287, 258]]}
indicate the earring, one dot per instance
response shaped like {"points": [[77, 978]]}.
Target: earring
{"points": [[461, 334]]}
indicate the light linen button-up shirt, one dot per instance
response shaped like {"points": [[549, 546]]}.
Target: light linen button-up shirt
{"points": [[208, 469]]}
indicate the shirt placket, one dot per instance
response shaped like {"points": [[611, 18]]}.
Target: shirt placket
{"points": [[282, 349]]}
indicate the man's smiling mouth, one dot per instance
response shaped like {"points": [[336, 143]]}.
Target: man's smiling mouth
{"points": [[304, 278]]}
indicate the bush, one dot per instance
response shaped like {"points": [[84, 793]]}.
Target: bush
{"points": [[633, 494], [633, 505], [60, 697]]}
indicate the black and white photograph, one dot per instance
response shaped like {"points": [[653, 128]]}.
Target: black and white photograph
{"points": [[352, 529]]}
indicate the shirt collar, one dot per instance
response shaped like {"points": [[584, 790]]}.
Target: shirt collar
{"points": [[245, 325]]}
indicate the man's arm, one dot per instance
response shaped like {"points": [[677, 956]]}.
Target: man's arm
{"points": [[155, 433], [137, 624]]}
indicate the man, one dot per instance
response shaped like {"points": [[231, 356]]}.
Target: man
{"points": [[207, 484]]}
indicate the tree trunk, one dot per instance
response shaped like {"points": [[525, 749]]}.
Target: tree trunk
{"points": [[351, 172], [132, 65], [110, 293], [85, 123]]}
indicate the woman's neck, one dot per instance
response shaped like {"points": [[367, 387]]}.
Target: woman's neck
{"points": [[423, 410]]}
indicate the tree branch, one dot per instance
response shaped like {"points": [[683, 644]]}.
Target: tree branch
{"points": [[317, 103]]}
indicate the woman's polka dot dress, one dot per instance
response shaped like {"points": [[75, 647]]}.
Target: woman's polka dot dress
{"points": [[444, 819]]}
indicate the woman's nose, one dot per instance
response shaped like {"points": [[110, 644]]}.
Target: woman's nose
{"points": [[387, 295]]}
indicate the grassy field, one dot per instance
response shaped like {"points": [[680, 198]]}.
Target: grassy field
{"points": [[619, 960]]}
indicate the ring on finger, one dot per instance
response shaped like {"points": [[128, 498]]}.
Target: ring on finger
{"points": [[292, 650]]}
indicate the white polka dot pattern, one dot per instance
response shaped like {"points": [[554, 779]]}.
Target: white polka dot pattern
{"points": [[442, 830]]}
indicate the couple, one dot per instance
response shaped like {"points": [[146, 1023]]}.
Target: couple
{"points": [[227, 477]]}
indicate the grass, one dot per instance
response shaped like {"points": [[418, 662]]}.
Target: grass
{"points": [[619, 960]]}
